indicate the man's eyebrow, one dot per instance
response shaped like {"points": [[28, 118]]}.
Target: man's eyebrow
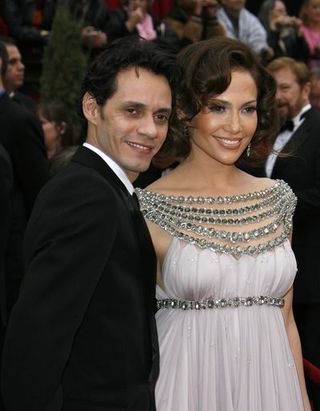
{"points": [[167, 110], [142, 105]]}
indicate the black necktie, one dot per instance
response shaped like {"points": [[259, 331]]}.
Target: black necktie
{"points": [[287, 125], [135, 201]]}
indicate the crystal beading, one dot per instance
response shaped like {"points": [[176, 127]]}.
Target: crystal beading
{"points": [[191, 219], [211, 303]]}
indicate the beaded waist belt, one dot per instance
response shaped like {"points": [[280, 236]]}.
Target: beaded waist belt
{"points": [[220, 303]]}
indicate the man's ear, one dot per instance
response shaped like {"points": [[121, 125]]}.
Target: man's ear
{"points": [[306, 90], [90, 108]]}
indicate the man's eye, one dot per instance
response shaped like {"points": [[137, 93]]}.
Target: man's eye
{"points": [[131, 110], [163, 118]]}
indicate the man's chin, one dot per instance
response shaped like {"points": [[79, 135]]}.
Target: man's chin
{"points": [[283, 113]]}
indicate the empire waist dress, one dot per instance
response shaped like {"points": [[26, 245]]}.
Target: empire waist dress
{"points": [[222, 337]]}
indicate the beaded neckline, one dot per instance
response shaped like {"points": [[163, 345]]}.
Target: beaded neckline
{"points": [[260, 220], [214, 200]]}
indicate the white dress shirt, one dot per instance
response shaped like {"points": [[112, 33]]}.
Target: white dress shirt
{"points": [[114, 167], [282, 139]]}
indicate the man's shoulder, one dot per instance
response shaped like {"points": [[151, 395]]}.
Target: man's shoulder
{"points": [[248, 18], [77, 190], [24, 101], [77, 178], [11, 111], [312, 115], [311, 124]]}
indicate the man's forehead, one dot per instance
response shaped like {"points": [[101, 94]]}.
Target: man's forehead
{"points": [[13, 51], [285, 75], [140, 77]]}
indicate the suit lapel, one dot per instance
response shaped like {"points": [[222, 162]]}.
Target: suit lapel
{"points": [[298, 138], [90, 159]]}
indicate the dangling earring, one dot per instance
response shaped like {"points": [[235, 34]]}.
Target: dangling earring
{"points": [[248, 150], [186, 132]]}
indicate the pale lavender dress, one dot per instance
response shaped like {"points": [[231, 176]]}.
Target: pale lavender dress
{"points": [[230, 358], [225, 359]]}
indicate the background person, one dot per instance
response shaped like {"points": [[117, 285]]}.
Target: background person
{"points": [[14, 78], [284, 34], [194, 20], [315, 88], [22, 137], [239, 23], [310, 16], [135, 18], [56, 127], [299, 139]]}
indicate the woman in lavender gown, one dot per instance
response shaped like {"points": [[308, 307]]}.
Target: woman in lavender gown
{"points": [[228, 339]]}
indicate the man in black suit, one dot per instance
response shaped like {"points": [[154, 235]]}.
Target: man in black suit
{"points": [[299, 138], [14, 77], [82, 334], [22, 137]]}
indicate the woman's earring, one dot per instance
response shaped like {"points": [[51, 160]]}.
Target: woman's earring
{"points": [[248, 150]]}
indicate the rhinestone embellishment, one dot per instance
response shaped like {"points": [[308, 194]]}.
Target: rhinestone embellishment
{"points": [[260, 220], [212, 303]]}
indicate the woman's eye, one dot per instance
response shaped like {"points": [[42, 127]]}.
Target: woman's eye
{"points": [[250, 109], [217, 108]]}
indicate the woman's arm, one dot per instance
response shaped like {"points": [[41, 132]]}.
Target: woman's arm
{"points": [[295, 345]]}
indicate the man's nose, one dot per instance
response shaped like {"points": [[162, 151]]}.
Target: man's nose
{"points": [[148, 127]]}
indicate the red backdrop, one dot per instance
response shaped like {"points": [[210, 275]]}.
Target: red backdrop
{"points": [[160, 7]]}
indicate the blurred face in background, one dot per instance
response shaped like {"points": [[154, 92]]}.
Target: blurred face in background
{"points": [[315, 93], [234, 5], [291, 97], [311, 11], [278, 10], [15, 72], [52, 134], [142, 4]]}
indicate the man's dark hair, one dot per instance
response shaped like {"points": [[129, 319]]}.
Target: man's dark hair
{"points": [[8, 41], [128, 52], [4, 59]]}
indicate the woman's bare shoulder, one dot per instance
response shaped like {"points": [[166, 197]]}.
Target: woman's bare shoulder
{"points": [[167, 184]]}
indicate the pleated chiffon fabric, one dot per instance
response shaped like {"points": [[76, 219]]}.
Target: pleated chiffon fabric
{"points": [[232, 358]]}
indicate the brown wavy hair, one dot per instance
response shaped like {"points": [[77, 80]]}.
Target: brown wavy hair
{"points": [[208, 67]]}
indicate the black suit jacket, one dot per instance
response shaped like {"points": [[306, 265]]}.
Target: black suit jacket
{"points": [[301, 170], [6, 186], [82, 335], [22, 137]]}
